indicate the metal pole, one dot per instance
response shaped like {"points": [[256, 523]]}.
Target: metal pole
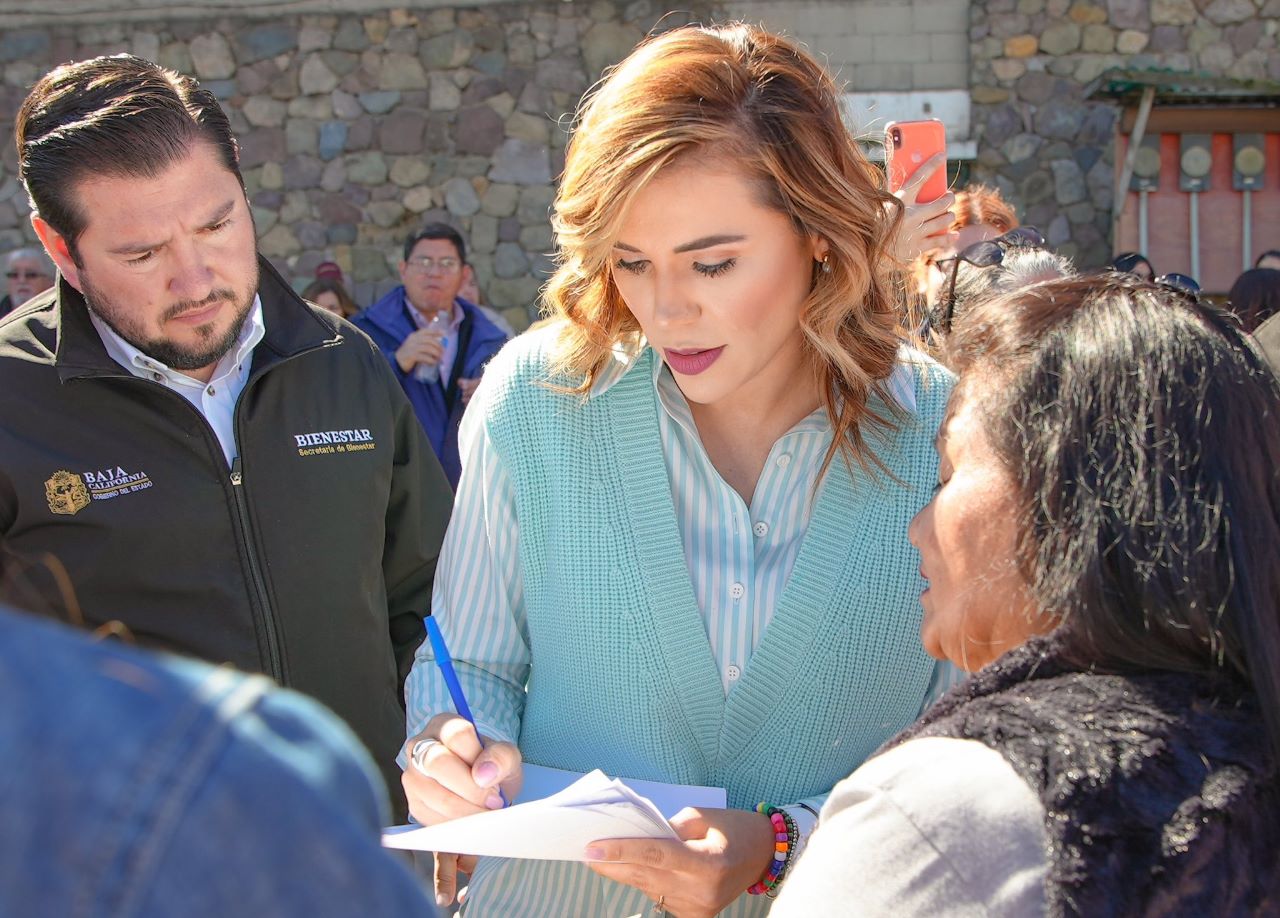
{"points": [[1195, 236], [1247, 235], [1143, 240], [1131, 156]]}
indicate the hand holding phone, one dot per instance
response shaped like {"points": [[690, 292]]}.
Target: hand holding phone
{"points": [[908, 146]]}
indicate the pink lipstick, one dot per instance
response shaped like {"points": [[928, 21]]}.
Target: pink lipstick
{"points": [[691, 361]]}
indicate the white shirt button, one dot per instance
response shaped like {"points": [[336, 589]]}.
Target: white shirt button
{"points": [[733, 672], [212, 391], [157, 377], [761, 529], [737, 591], [784, 460]]}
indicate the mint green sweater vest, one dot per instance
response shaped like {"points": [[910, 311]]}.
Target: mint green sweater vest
{"points": [[622, 675]]}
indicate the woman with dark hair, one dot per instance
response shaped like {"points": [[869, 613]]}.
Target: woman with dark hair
{"points": [[1268, 259], [1134, 263], [1101, 551], [1255, 297]]}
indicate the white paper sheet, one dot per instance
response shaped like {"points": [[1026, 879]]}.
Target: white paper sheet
{"points": [[541, 781], [556, 828]]}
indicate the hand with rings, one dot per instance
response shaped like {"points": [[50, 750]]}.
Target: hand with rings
{"points": [[451, 774]]}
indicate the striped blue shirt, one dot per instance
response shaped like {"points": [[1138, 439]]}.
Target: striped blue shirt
{"points": [[739, 558]]}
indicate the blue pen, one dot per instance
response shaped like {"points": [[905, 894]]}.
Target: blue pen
{"points": [[445, 662]]}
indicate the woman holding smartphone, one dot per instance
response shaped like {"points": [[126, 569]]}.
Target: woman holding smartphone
{"points": [[679, 548]]}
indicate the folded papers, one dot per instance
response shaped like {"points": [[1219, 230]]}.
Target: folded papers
{"points": [[554, 828]]}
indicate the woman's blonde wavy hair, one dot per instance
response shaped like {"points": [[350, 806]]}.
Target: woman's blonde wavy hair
{"points": [[738, 95]]}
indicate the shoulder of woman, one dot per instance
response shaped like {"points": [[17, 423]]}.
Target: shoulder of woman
{"points": [[943, 824], [939, 773], [921, 384]]}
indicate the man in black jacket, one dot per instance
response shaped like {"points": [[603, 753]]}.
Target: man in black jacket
{"points": [[215, 465]]}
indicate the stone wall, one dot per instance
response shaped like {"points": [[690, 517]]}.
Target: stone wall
{"points": [[358, 127], [875, 44], [355, 129], [1050, 150]]}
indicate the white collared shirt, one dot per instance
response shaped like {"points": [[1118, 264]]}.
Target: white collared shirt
{"points": [[216, 399]]}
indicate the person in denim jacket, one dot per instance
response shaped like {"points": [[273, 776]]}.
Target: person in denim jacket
{"points": [[139, 785]]}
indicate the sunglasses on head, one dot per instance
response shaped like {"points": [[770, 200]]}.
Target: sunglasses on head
{"points": [[984, 254], [1183, 282]]}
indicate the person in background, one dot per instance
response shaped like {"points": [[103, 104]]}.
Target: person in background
{"points": [[1267, 339], [1100, 553], [979, 213], [679, 547], [26, 272], [1269, 259], [221, 471], [987, 269], [1255, 297], [436, 342], [329, 292], [1134, 263], [470, 291], [331, 295]]}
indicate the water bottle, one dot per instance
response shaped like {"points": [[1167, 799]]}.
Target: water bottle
{"points": [[440, 325]]}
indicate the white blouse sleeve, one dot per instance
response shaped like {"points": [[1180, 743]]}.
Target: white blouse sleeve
{"points": [[934, 827]]}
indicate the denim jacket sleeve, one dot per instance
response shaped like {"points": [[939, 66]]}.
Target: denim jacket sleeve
{"points": [[138, 785]]}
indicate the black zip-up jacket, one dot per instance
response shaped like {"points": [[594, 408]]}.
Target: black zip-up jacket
{"points": [[310, 560]]}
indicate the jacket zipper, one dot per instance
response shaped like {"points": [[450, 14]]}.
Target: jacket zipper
{"points": [[256, 581], [259, 601]]}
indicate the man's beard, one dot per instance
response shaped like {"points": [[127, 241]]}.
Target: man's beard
{"points": [[211, 347]]}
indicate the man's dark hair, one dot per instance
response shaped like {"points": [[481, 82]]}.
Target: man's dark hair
{"points": [[436, 231], [116, 116], [1140, 431]]}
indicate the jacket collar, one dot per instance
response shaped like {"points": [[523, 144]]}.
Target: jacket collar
{"points": [[391, 313], [292, 328]]}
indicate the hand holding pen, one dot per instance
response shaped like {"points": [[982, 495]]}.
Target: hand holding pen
{"points": [[453, 772]]}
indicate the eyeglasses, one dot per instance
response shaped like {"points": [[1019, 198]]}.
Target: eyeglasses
{"points": [[424, 265], [984, 254], [24, 275]]}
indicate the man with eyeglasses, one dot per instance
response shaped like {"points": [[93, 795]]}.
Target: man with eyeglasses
{"points": [[436, 341], [27, 272]]}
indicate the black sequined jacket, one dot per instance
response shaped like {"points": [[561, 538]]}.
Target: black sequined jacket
{"points": [[1160, 794]]}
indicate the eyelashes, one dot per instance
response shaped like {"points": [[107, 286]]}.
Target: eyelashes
{"points": [[715, 270], [639, 267], [631, 267]]}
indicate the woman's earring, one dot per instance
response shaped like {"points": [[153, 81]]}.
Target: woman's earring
{"points": [[826, 263]]}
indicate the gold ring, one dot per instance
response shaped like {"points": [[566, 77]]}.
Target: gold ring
{"points": [[658, 908]]}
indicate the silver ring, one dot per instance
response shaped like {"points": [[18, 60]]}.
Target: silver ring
{"points": [[418, 755]]}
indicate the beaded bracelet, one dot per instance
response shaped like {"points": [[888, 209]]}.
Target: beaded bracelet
{"points": [[785, 837]]}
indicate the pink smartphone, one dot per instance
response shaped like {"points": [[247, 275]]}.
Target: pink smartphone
{"points": [[907, 144]]}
